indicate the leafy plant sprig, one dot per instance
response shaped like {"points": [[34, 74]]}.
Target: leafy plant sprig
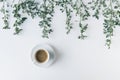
{"points": [[46, 13], [29, 7], [82, 11], [111, 12], [66, 6], [5, 11], [19, 19]]}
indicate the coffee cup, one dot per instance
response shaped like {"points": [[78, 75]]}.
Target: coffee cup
{"points": [[43, 55]]}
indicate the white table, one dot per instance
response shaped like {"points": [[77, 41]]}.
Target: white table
{"points": [[77, 59]]}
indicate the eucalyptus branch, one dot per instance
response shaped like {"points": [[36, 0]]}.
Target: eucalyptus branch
{"points": [[68, 19], [111, 13], [108, 23], [4, 10], [29, 7], [111, 21], [19, 19], [46, 13], [66, 6], [82, 11]]}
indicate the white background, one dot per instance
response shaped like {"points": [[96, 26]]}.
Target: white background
{"points": [[87, 59]]}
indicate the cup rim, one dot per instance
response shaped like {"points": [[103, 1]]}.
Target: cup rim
{"points": [[45, 60]]}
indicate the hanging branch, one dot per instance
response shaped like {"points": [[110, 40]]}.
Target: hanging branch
{"points": [[29, 7], [66, 6], [82, 11], [4, 10], [46, 14], [112, 19], [18, 16], [111, 12]]}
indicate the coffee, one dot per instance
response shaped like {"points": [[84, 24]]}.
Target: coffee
{"points": [[41, 56]]}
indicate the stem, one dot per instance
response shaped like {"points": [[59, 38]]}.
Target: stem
{"points": [[80, 23], [110, 26], [111, 16], [80, 12], [44, 9]]}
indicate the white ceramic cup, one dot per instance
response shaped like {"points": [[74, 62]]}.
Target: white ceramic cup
{"points": [[50, 55]]}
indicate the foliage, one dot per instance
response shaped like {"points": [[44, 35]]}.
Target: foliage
{"points": [[46, 13], [44, 10], [4, 10], [66, 6], [110, 10], [28, 6], [82, 11]]}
